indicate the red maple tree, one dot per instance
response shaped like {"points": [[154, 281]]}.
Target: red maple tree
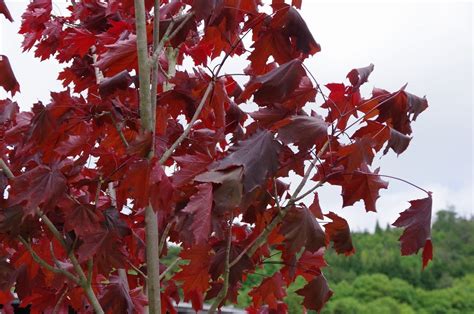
{"points": [[138, 153]]}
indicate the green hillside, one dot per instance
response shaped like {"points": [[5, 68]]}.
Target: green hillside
{"points": [[378, 280]]}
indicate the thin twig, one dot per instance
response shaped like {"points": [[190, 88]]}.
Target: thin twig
{"points": [[135, 268], [225, 287], [167, 36], [119, 130], [6, 170], [185, 133], [164, 236], [45, 264], [169, 268], [260, 239], [60, 301]]}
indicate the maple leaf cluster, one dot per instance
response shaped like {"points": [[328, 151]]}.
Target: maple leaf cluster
{"points": [[77, 175]]}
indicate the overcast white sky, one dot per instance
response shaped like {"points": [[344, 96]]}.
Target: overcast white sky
{"points": [[427, 45]]}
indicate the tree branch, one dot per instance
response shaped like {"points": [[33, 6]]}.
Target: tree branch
{"points": [[164, 236], [225, 287], [143, 67], [45, 264], [169, 268], [261, 238], [6, 170], [77, 267], [181, 138]]}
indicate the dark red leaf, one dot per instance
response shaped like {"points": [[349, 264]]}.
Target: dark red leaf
{"points": [[258, 155], [301, 228], [8, 110], [195, 275], [269, 292], [218, 262], [228, 195], [190, 167], [417, 223], [7, 78], [200, 205], [82, 218], [119, 81], [4, 10], [339, 233], [363, 185], [341, 102], [316, 293], [285, 37], [106, 248], [377, 132], [308, 265], [398, 142], [120, 56], [303, 131], [78, 42], [357, 77], [354, 155], [416, 105], [315, 208], [39, 186], [276, 85], [116, 297]]}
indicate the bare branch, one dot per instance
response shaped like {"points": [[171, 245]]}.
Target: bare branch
{"points": [[6, 170], [181, 138], [119, 130], [52, 228], [164, 236], [135, 268], [225, 287], [60, 300], [45, 264], [169, 268], [261, 238]]}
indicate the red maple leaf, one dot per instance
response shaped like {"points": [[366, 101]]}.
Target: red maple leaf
{"points": [[301, 228], [308, 265], [277, 85], [303, 131], [339, 233], [315, 208], [269, 291], [316, 293], [200, 205], [378, 133], [285, 36], [39, 186], [120, 56], [7, 78], [116, 297], [363, 185], [195, 275], [106, 248], [354, 155], [4, 10], [417, 234], [398, 142], [190, 167], [258, 155], [359, 76]]}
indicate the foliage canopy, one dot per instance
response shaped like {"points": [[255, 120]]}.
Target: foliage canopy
{"points": [[137, 152]]}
